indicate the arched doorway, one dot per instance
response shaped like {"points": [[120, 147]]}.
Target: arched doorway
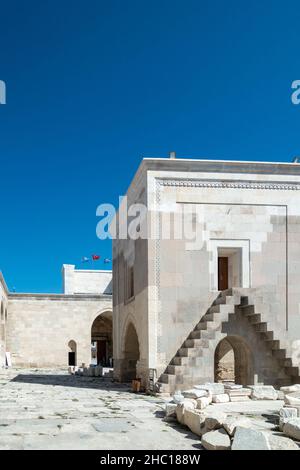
{"points": [[101, 340], [234, 361], [72, 359], [131, 353]]}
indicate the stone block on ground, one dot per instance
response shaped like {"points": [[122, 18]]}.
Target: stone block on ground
{"points": [[285, 414], [221, 398], [239, 398], [170, 410], [215, 419], [240, 392], [249, 439], [292, 428], [292, 398], [282, 443], [194, 393], [290, 389], [178, 397], [203, 402], [296, 407], [187, 404], [216, 440], [263, 392], [230, 386], [213, 387], [194, 420], [231, 423]]}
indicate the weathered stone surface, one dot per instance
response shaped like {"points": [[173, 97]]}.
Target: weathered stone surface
{"points": [[292, 428], [281, 443], [292, 398], [240, 392], [170, 410], [212, 387], [290, 389], [194, 393], [280, 395], [249, 439], [239, 398], [178, 397], [216, 440], [221, 398], [263, 392], [231, 423], [194, 420], [203, 402], [296, 407], [285, 414], [232, 387], [187, 404], [215, 419]]}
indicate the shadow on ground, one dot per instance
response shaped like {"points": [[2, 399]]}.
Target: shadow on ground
{"points": [[98, 383], [173, 423]]}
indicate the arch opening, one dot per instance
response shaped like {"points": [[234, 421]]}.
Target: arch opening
{"points": [[102, 340], [72, 359], [234, 361], [131, 353]]}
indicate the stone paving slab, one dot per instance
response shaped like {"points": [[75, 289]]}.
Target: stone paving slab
{"points": [[50, 409]]}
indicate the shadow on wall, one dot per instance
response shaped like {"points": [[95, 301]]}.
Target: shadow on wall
{"points": [[99, 383]]}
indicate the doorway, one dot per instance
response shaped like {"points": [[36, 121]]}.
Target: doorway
{"points": [[72, 353], [222, 273], [229, 268], [234, 361], [101, 340]]}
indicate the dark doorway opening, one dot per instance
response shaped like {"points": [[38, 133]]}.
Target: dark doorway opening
{"points": [[222, 273]]}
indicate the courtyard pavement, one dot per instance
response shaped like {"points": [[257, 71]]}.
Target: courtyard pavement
{"points": [[50, 409]]}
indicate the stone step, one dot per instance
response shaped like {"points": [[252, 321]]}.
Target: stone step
{"points": [[279, 353], [273, 343], [248, 310], [189, 352], [261, 327], [205, 334], [207, 325], [255, 319], [293, 371], [286, 362], [180, 361], [196, 343], [267, 335]]}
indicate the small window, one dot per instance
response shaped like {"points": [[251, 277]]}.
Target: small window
{"points": [[130, 282]]}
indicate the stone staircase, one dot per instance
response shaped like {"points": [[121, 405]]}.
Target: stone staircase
{"points": [[192, 363]]}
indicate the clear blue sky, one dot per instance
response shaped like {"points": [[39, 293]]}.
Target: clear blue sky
{"points": [[93, 86]]}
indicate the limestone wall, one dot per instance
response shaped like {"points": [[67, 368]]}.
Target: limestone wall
{"points": [[40, 327], [3, 319], [133, 310], [258, 214], [86, 281]]}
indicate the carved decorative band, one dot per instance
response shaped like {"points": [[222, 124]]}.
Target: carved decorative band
{"points": [[190, 183]]}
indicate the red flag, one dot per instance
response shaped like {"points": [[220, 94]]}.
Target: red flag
{"points": [[95, 257]]}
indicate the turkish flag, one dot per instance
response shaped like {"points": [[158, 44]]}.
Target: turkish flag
{"points": [[95, 257]]}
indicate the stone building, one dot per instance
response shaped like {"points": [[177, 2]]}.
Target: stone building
{"points": [[224, 305], [57, 330]]}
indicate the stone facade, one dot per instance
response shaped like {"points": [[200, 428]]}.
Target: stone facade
{"points": [[39, 330], [248, 213], [3, 318]]}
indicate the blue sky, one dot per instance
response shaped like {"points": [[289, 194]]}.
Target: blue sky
{"points": [[94, 86]]}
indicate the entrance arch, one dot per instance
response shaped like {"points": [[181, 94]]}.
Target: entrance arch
{"points": [[234, 361], [72, 354], [101, 340], [131, 353]]}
